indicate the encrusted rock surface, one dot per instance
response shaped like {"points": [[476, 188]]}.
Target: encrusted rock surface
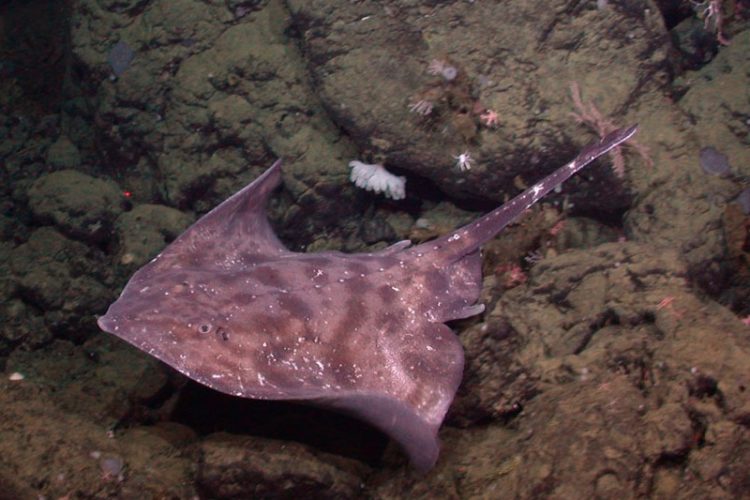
{"points": [[81, 206], [370, 63], [144, 231], [232, 467], [611, 360]]}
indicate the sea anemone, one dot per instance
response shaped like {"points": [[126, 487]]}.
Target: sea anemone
{"points": [[376, 178], [714, 162], [442, 68]]}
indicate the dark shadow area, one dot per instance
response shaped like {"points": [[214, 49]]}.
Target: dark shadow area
{"points": [[207, 411], [34, 51]]}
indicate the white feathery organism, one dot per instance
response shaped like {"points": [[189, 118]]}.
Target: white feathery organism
{"points": [[464, 161], [374, 177]]}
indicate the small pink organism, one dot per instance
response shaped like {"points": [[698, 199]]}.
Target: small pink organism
{"points": [[713, 18], [665, 303], [421, 107], [441, 67], [588, 114], [559, 226], [668, 304], [489, 117], [450, 103], [514, 275]]}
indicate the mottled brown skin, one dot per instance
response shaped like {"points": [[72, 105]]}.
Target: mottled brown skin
{"points": [[229, 306]]}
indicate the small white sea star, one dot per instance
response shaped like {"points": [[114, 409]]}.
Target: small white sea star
{"points": [[463, 161], [489, 118]]}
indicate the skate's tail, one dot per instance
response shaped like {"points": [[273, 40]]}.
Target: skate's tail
{"points": [[470, 237]]}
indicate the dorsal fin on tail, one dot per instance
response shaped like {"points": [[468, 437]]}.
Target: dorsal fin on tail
{"points": [[470, 237]]}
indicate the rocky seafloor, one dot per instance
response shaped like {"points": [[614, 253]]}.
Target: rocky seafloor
{"points": [[613, 357]]}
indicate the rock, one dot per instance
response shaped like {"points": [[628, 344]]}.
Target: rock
{"points": [[93, 382], [202, 111], [605, 374], [55, 452], [12, 229], [146, 230], [235, 467], [21, 327], [720, 114], [63, 154], [372, 64], [57, 276], [81, 206]]}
